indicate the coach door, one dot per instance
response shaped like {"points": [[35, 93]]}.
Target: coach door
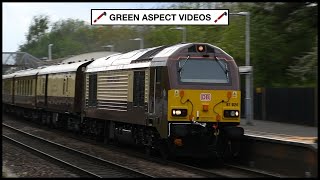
{"points": [[138, 89]]}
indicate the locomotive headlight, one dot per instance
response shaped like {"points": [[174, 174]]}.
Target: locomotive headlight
{"points": [[231, 113], [179, 112], [201, 48]]}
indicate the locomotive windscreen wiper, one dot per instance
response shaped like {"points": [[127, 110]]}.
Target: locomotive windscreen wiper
{"points": [[221, 65], [180, 68]]}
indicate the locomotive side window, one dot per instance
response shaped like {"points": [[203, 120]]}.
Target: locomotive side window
{"points": [[138, 89], [203, 71], [158, 78], [92, 90]]}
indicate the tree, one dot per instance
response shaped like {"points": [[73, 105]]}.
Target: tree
{"points": [[305, 71], [38, 28]]}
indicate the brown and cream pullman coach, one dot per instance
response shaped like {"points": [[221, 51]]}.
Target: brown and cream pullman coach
{"points": [[59, 87]]}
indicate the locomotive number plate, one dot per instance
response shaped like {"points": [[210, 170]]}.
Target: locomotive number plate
{"points": [[205, 97]]}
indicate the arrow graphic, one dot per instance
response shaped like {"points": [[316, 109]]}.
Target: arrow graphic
{"points": [[104, 13], [225, 13]]}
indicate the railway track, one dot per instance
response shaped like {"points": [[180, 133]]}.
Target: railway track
{"points": [[82, 163], [226, 170]]}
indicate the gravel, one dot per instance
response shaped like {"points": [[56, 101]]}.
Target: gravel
{"points": [[17, 162]]}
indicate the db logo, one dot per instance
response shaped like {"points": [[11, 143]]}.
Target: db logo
{"points": [[205, 97]]}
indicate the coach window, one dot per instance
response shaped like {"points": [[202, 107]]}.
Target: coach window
{"points": [[43, 86], [20, 87], [31, 88], [64, 85], [27, 87], [67, 84], [24, 87]]}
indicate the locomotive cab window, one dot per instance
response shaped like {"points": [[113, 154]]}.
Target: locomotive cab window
{"points": [[203, 71], [92, 90], [138, 89]]}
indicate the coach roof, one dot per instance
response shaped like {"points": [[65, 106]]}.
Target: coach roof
{"points": [[61, 68], [27, 72]]}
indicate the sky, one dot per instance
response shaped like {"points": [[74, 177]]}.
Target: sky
{"points": [[17, 16]]}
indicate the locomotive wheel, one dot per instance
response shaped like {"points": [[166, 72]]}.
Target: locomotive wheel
{"points": [[147, 150], [106, 140], [164, 150]]}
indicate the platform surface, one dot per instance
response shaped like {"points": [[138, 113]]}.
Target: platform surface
{"points": [[280, 131]]}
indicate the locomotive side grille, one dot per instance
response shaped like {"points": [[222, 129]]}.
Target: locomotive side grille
{"points": [[146, 86], [87, 89], [112, 91], [112, 105]]}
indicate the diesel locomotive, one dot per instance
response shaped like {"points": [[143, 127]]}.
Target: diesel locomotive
{"points": [[181, 100]]}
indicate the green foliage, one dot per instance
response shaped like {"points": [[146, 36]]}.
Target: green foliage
{"points": [[305, 71], [279, 33], [37, 28]]}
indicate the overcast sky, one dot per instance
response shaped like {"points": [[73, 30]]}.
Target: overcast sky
{"points": [[17, 17]]}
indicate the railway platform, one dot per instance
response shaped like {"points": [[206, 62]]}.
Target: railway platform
{"points": [[281, 131]]}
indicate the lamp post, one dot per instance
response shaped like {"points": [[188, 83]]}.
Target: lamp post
{"points": [[141, 41], [184, 33], [109, 46], [49, 51], [249, 76]]}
